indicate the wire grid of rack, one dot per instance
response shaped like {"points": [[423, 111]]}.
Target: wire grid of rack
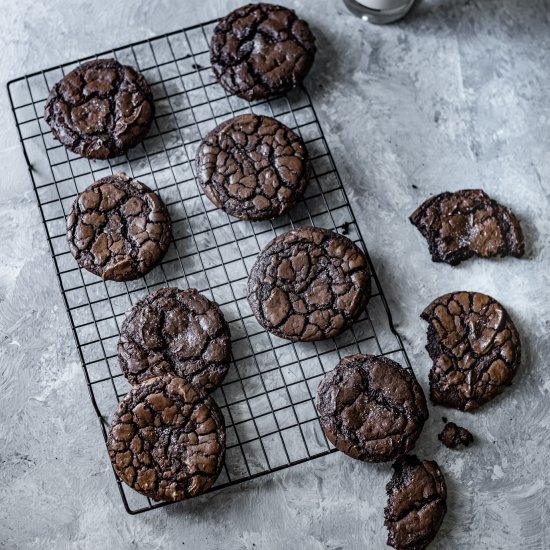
{"points": [[268, 396]]}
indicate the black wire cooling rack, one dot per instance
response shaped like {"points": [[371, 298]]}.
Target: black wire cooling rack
{"points": [[267, 397]]}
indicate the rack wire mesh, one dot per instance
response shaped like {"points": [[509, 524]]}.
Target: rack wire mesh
{"points": [[267, 397]]}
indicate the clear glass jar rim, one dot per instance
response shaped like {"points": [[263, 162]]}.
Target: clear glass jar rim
{"points": [[382, 4]]}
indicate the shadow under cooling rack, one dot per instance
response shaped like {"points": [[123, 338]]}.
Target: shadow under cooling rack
{"points": [[267, 397]]}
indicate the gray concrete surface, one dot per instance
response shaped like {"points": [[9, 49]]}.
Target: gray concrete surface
{"points": [[455, 96]]}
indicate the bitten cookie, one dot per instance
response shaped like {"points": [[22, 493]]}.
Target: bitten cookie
{"points": [[175, 331], [309, 284], [167, 439], [100, 109], [475, 349], [253, 167], [261, 50], [417, 503], [118, 228], [460, 225], [370, 408]]}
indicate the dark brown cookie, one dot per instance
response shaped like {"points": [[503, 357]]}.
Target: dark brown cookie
{"points": [[460, 225], [417, 503], [118, 228], [253, 167], [370, 408], [261, 50], [453, 436], [175, 331], [475, 349], [100, 109], [167, 439], [309, 284]]}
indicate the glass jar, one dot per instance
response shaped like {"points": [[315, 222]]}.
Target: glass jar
{"points": [[379, 12]]}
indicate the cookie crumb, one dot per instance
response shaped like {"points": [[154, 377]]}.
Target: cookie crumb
{"points": [[345, 228], [454, 436]]}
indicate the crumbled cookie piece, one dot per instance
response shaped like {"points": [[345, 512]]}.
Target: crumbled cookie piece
{"points": [[417, 503]]}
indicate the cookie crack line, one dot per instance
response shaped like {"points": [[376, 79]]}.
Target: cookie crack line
{"points": [[378, 398]]}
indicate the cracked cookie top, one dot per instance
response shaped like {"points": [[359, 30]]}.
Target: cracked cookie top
{"points": [[118, 228], [468, 223], [175, 331], [100, 109], [261, 50], [253, 167], [474, 346], [370, 408], [309, 284], [417, 503], [167, 439]]}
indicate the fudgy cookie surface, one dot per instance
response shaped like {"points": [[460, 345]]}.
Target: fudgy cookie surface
{"points": [[167, 439], [474, 346], [100, 109], [417, 503], [370, 408], [253, 167], [454, 436], [460, 225], [309, 284], [260, 50], [118, 228], [175, 331]]}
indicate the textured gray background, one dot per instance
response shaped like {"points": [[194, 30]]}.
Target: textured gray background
{"points": [[455, 96]]}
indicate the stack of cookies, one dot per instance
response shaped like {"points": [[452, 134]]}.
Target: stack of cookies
{"points": [[167, 437]]}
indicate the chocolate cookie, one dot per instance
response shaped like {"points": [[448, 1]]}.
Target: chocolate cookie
{"points": [[460, 225], [417, 503], [370, 408], [175, 331], [100, 109], [309, 284], [261, 50], [167, 439], [253, 167], [453, 436], [118, 228], [475, 349]]}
